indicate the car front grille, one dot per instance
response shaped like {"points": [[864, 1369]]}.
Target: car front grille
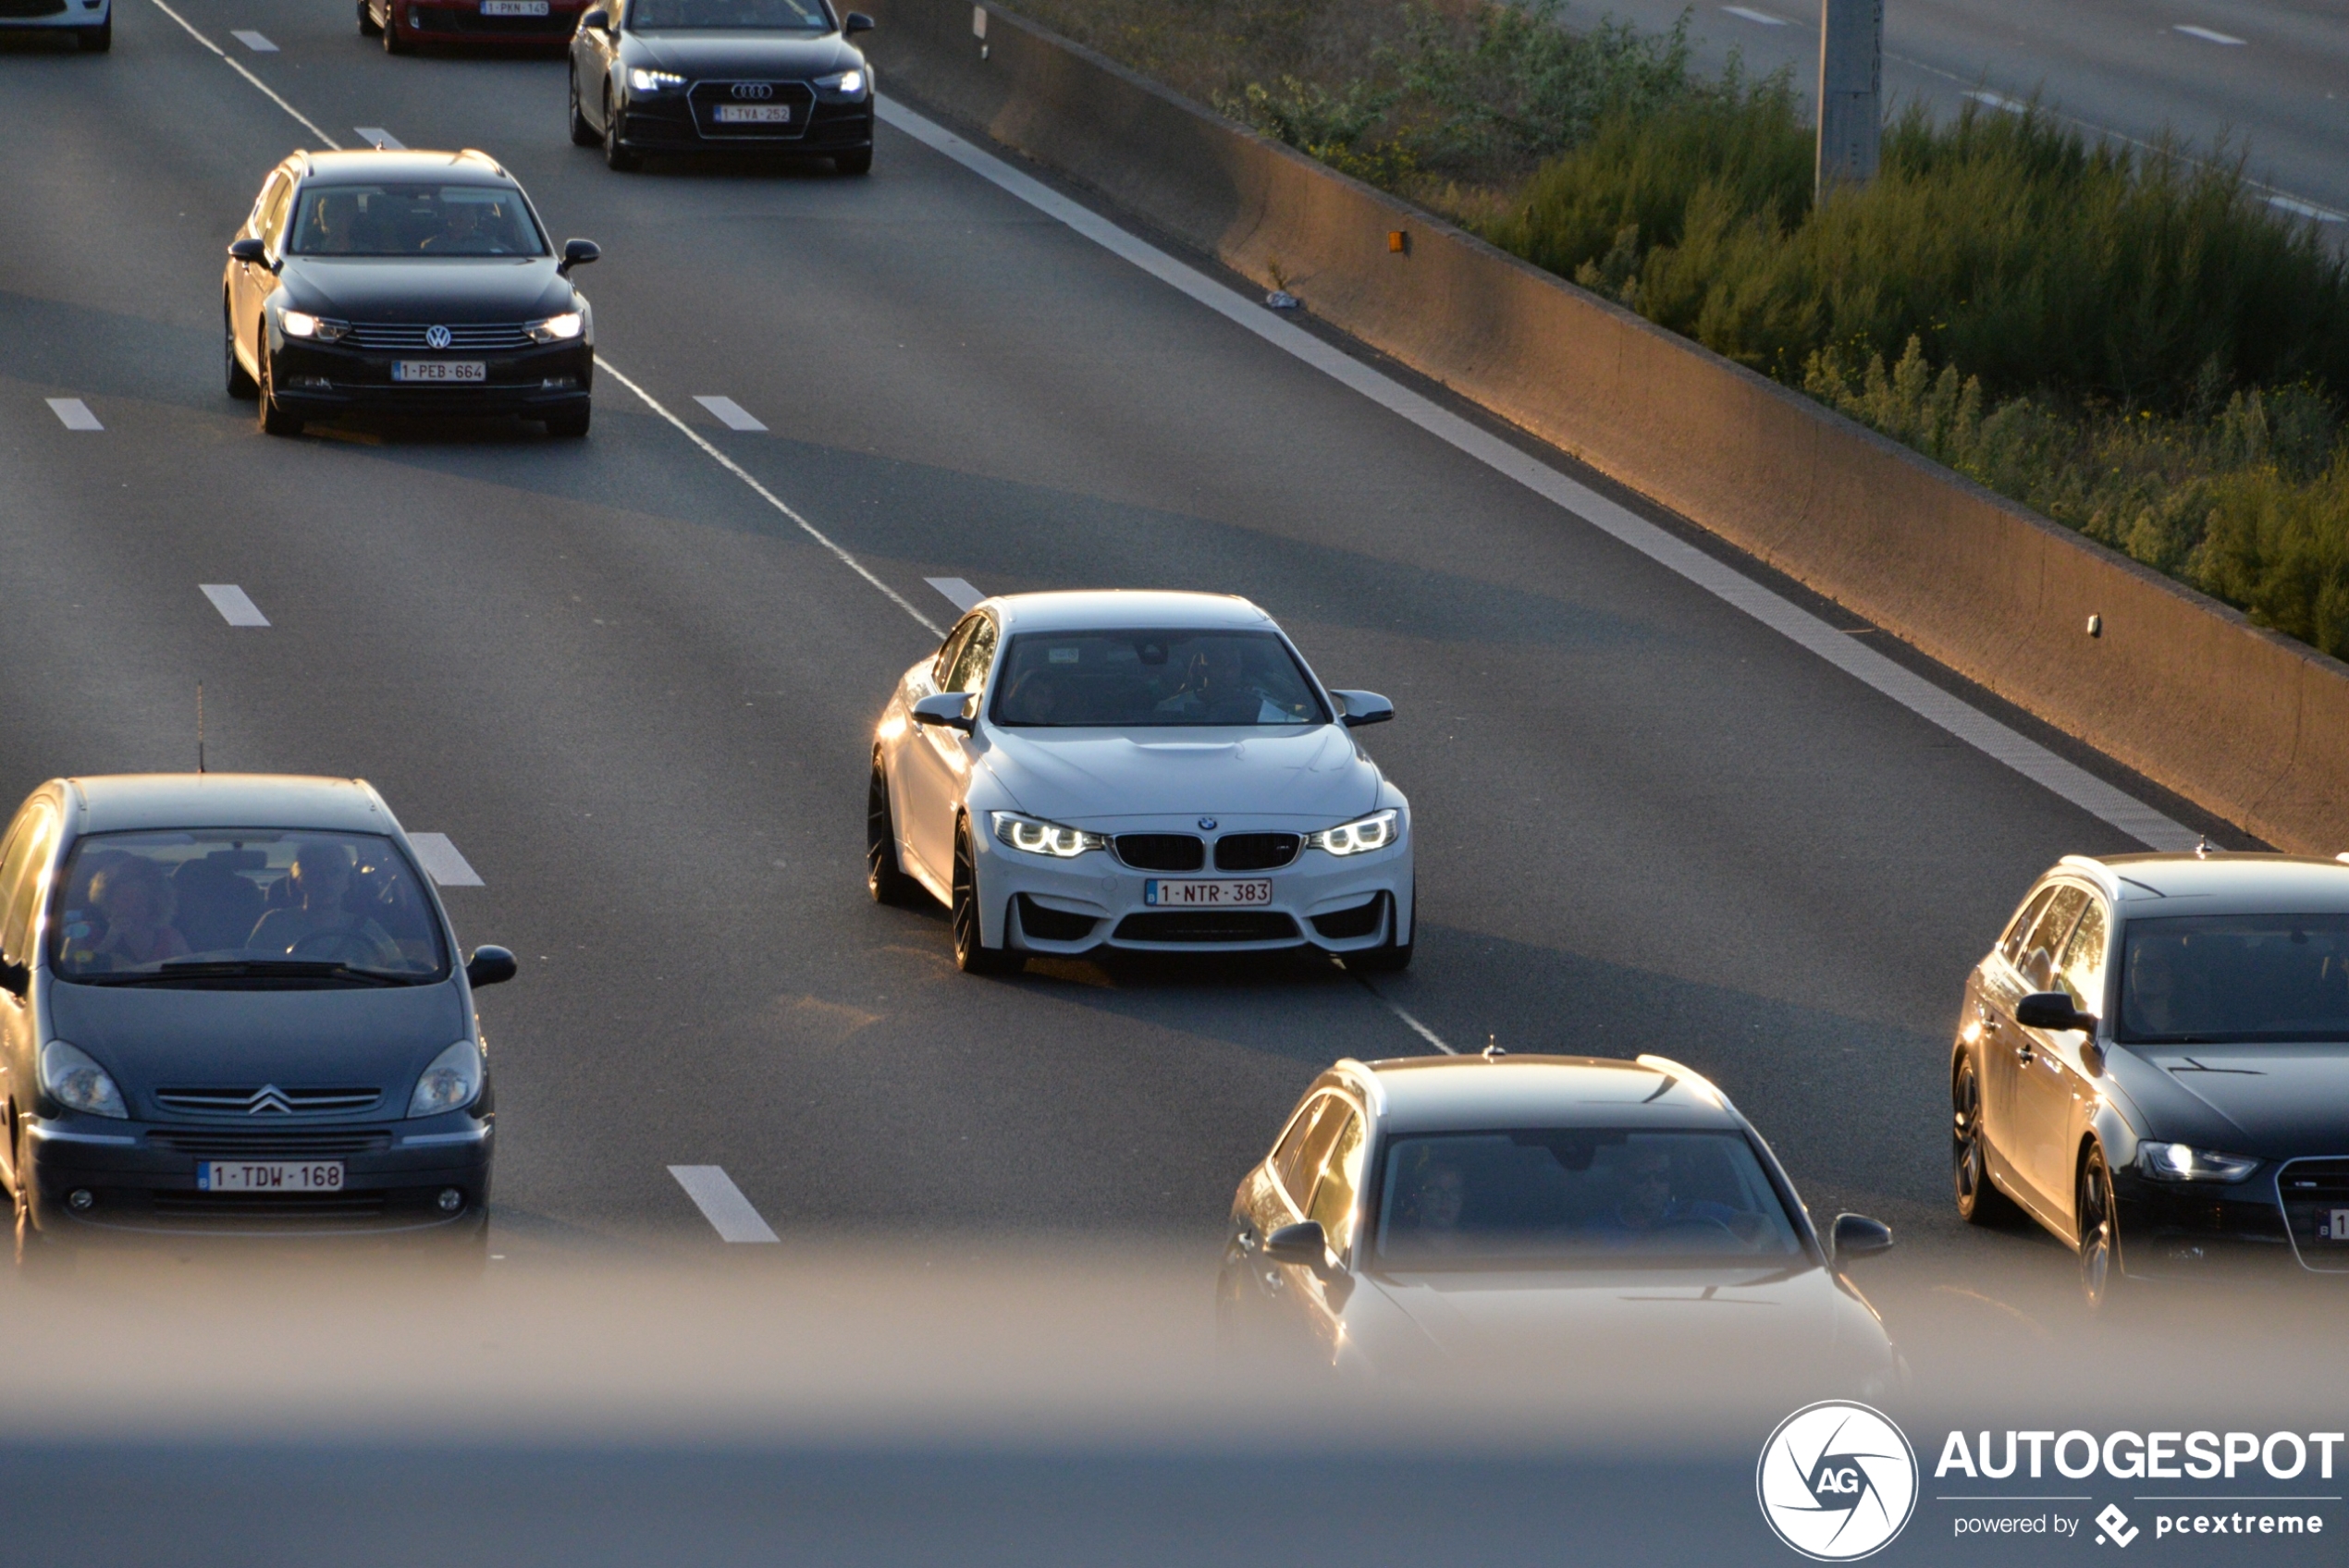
{"points": [[1361, 921], [1162, 851], [211, 1142], [1256, 852], [2315, 1206], [707, 97], [184, 1204], [268, 1101], [464, 338], [1207, 925]]}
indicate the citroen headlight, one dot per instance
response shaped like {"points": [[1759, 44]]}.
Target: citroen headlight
{"points": [[301, 323], [72, 1079], [643, 80], [452, 1083], [1360, 836], [1037, 836], [2176, 1162], [846, 84], [556, 329]]}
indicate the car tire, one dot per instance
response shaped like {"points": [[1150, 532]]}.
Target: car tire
{"points": [[570, 425], [858, 162], [40, 1256], [616, 155], [972, 955], [1979, 1200], [274, 420], [2102, 1284], [241, 386], [393, 42], [1389, 957], [96, 40], [367, 28], [582, 133], [885, 878]]}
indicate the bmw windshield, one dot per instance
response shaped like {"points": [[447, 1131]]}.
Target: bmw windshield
{"points": [[1139, 679]]}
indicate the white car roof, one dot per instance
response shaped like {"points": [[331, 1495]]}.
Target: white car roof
{"points": [[1472, 1093], [122, 802], [2150, 886], [1120, 609]]}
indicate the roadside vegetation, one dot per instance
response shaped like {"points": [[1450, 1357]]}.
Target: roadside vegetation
{"points": [[2129, 341]]}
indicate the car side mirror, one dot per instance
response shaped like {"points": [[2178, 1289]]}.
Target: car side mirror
{"points": [[598, 18], [2052, 1009], [1304, 1243], [949, 708], [1857, 1236], [857, 22], [250, 250], [15, 978], [1362, 707], [578, 253], [490, 966]]}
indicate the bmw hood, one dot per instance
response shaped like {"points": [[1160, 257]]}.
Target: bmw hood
{"points": [[2276, 1101], [1090, 777], [152, 1038], [450, 289], [782, 56]]}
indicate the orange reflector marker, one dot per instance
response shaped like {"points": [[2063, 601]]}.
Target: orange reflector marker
{"points": [[1397, 240]]}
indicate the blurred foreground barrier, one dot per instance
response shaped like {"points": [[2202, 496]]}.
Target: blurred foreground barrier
{"points": [[2251, 725]]}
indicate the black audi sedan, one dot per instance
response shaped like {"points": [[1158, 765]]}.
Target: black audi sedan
{"points": [[2153, 1063], [722, 76], [404, 283], [229, 1004]]}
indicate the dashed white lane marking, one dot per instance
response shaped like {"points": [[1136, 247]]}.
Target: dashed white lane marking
{"points": [[730, 466], [730, 414], [442, 862], [723, 1204], [1762, 18], [236, 607], [74, 413], [238, 67], [2307, 209], [959, 593], [376, 135], [1998, 101], [2209, 36], [1416, 1027], [1913, 691], [253, 41]]}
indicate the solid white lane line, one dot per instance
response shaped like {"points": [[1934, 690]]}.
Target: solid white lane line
{"points": [[442, 862], [235, 605], [238, 67], [2209, 36], [959, 593], [1762, 18], [1913, 691], [376, 135], [253, 41], [730, 466], [1998, 101], [74, 413], [723, 1204], [2307, 209], [730, 414]]}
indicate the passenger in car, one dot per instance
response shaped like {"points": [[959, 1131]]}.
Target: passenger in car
{"points": [[138, 906]]}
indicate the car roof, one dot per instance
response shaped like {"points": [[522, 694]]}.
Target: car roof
{"points": [[1463, 1093], [124, 801], [2150, 886], [1117, 609], [468, 167]]}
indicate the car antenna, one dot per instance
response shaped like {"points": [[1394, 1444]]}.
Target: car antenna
{"points": [[198, 727], [1493, 1049], [2203, 847]]}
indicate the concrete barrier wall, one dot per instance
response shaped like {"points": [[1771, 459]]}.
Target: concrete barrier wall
{"points": [[2250, 725]]}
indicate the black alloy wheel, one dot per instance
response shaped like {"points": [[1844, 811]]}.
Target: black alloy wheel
{"points": [[885, 879], [393, 42], [570, 425], [858, 162], [615, 156], [367, 28], [39, 1256], [241, 386], [972, 956], [1979, 1200], [275, 421], [2100, 1277], [582, 133]]}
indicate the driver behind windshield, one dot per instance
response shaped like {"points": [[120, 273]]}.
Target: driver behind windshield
{"points": [[320, 924], [1646, 1205]]}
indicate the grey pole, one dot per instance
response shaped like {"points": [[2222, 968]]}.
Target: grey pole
{"points": [[1851, 91]]}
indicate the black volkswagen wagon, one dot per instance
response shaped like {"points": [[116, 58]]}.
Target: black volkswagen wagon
{"points": [[230, 1004]]}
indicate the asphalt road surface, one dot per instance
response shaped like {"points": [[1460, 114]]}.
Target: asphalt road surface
{"points": [[2267, 78], [637, 697]]}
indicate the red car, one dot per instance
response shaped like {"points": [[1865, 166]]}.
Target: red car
{"points": [[497, 24]]}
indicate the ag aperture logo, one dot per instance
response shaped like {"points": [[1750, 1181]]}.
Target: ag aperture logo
{"points": [[1836, 1481]]}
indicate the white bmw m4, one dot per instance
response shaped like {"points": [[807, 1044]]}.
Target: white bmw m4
{"points": [[1136, 770]]}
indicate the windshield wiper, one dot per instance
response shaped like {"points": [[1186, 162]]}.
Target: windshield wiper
{"points": [[252, 969]]}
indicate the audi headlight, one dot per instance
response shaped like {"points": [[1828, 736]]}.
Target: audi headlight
{"points": [[848, 84], [2176, 1162], [452, 1083], [301, 323], [1037, 836], [556, 329], [72, 1079], [1360, 836], [643, 80]]}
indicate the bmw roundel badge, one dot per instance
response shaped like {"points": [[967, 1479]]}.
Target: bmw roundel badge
{"points": [[1207, 824]]}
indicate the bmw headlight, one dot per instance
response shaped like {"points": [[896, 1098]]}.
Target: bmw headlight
{"points": [[2176, 1162], [556, 329], [452, 1083], [72, 1079], [301, 323], [1358, 837], [1037, 836], [643, 80], [843, 84]]}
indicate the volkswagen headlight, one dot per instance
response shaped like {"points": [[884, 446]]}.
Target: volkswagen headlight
{"points": [[452, 1083], [2176, 1162], [73, 1080], [1358, 837], [301, 323], [1037, 837], [643, 80], [556, 329], [845, 84]]}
